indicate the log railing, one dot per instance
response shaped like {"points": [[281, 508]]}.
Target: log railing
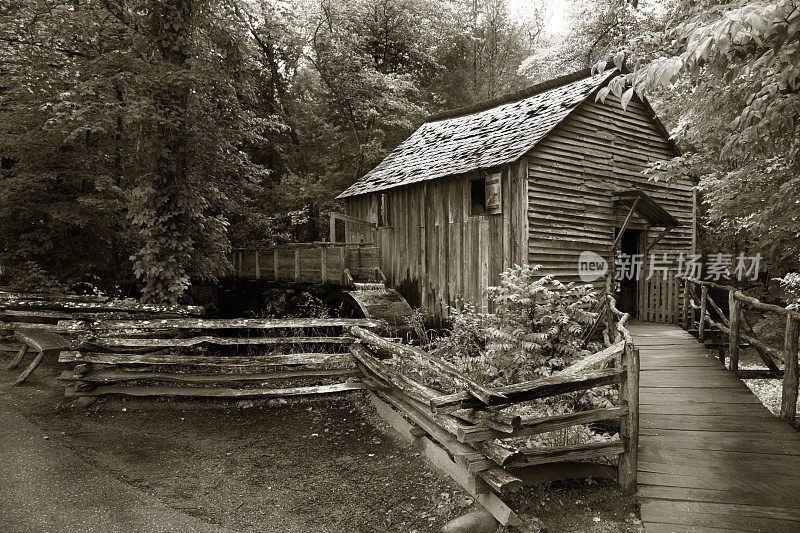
{"points": [[313, 262], [470, 428], [735, 325]]}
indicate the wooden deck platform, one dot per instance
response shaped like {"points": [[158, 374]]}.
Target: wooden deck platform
{"points": [[711, 456]]}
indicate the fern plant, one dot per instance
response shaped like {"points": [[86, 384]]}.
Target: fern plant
{"points": [[535, 329]]}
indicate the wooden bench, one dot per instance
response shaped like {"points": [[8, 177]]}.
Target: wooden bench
{"points": [[45, 343], [211, 358]]}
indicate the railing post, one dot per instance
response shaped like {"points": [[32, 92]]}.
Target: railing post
{"points": [[701, 329], [629, 424], [332, 222], [685, 318], [734, 310], [323, 264], [790, 374]]}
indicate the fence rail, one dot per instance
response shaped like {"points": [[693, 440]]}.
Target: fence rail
{"points": [[735, 325], [471, 427]]}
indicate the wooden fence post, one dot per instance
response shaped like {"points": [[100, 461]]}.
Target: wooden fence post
{"points": [[790, 374], [629, 424], [685, 318], [323, 264], [701, 329], [734, 311]]}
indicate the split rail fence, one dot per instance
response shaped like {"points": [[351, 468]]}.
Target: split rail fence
{"points": [[705, 317], [466, 434]]}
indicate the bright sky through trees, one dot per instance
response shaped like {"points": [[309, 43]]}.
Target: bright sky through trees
{"points": [[555, 13]]}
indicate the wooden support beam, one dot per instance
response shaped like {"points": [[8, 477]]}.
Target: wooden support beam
{"points": [[28, 371], [623, 228], [18, 358], [790, 375], [323, 264], [629, 425], [775, 355], [660, 235], [735, 309], [685, 315], [701, 334]]}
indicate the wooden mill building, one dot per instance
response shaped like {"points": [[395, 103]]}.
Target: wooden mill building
{"points": [[535, 178]]}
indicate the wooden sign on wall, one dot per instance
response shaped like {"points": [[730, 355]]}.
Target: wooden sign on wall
{"points": [[494, 193]]}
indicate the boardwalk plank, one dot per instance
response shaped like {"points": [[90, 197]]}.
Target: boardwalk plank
{"points": [[712, 458], [702, 409], [705, 514], [654, 527], [714, 495]]}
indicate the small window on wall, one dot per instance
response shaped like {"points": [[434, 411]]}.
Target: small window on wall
{"points": [[384, 211], [478, 197]]}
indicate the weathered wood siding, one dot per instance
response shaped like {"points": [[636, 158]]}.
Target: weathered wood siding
{"points": [[435, 253], [573, 174]]}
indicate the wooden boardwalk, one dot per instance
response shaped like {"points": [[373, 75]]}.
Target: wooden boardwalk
{"points": [[711, 456]]}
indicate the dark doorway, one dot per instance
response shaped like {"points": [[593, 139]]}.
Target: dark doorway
{"points": [[627, 297]]}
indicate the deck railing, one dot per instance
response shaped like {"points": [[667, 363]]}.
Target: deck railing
{"points": [[737, 328], [313, 262]]}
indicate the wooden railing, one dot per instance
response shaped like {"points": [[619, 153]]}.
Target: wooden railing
{"points": [[355, 229], [459, 432], [737, 328], [35, 319], [209, 357], [315, 262]]}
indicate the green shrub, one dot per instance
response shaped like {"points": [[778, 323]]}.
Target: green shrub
{"points": [[30, 277], [536, 328]]}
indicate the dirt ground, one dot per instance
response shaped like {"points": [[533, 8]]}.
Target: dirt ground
{"points": [[321, 465]]}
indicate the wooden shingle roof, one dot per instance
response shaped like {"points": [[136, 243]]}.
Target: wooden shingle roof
{"points": [[489, 134]]}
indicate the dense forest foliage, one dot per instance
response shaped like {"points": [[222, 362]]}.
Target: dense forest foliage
{"points": [[142, 139]]}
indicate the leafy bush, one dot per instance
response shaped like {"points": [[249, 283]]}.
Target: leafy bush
{"points": [[29, 277], [790, 285], [535, 329]]}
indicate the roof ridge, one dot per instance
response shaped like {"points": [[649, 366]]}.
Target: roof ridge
{"points": [[511, 97]]}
